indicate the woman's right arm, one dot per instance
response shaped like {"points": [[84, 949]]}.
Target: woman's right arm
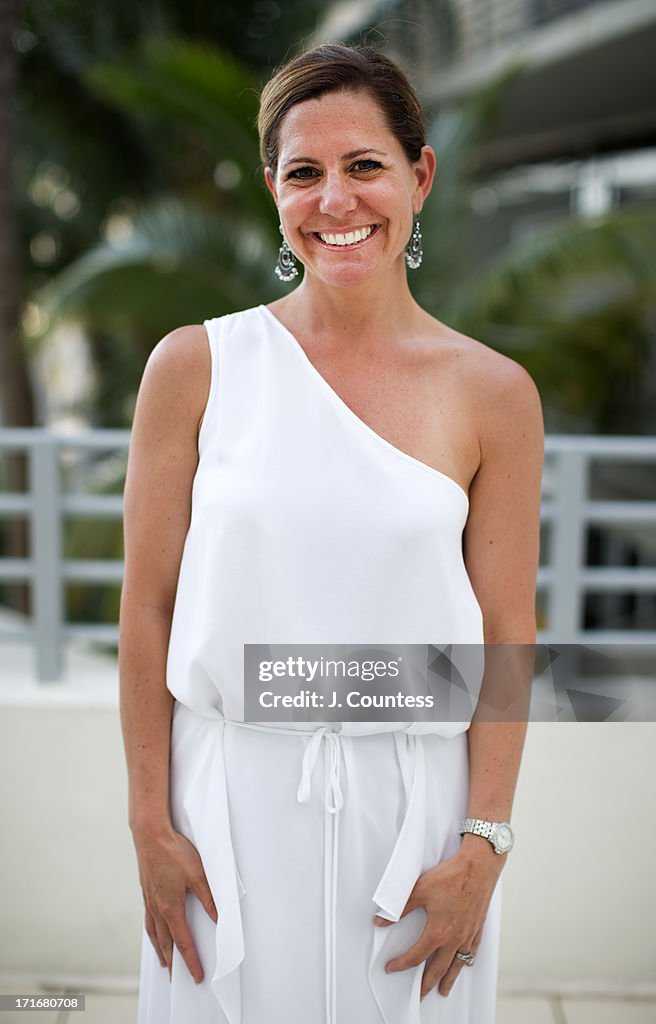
{"points": [[162, 461]]}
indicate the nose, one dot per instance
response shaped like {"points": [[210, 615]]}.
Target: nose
{"points": [[337, 195]]}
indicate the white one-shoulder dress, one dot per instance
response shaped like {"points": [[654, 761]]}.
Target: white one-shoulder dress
{"points": [[309, 527]]}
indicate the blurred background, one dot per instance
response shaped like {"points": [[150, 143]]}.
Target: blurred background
{"points": [[132, 202]]}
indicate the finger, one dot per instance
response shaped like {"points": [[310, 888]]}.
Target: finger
{"points": [[457, 965], [413, 902], [423, 947], [202, 890], [164, 940], [425, 980], [184, 942], [149, 925], [438, 968], [452, 972]]}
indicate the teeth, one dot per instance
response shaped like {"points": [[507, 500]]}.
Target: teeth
{"points": [[349, 238]]}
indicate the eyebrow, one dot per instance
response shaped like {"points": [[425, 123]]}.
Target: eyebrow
{"points": [[346, 156]]}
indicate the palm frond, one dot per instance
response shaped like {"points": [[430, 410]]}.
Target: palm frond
{"points": [[455, 134], [196, 87], [179, 264], [622, 243]]}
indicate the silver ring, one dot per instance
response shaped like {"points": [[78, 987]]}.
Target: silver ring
{"points": [[467, 958]]}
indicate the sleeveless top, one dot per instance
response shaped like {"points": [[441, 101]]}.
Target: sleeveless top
{"points": [[306, 527]]}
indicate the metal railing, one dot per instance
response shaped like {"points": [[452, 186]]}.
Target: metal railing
{"points": [[564, 582], [570, 512]]}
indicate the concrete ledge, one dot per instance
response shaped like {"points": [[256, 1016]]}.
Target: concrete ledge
{"points": [[577, 908]]}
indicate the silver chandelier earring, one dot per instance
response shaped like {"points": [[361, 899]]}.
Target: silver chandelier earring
{"points": [[414, 252], [285, 268]]}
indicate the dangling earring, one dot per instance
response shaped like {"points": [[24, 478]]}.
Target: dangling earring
{"points": [[414, 252], [285, 268]]}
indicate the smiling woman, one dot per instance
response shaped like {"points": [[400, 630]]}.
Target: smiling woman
{"points": [[360, 199], [342, 468]]}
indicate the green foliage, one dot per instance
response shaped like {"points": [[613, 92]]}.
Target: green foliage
{"points": [[179, 264], [196, 86], [145, 129]]}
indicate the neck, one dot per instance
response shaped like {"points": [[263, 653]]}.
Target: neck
{"points": [[361, 315]]}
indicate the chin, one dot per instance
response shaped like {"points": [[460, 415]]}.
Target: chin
{"points": [[345, 277]]}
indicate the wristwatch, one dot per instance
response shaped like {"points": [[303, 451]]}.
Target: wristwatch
{"points": [[499, 833]]}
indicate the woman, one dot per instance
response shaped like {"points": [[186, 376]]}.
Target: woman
{"points": [[337, 467]]}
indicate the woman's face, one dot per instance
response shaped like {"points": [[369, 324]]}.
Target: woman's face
{"points": [[340, 169]]}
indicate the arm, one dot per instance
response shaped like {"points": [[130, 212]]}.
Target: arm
{"points": [[501, 551], [162, 461]]}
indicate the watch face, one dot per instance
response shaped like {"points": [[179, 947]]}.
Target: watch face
{"points": [[503, 837]]}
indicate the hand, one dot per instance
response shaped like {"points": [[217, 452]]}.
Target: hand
{"points": [[169, 868], [455, 895]]}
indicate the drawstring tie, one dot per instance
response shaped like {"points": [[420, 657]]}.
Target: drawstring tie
{"points": [[333, 802]]}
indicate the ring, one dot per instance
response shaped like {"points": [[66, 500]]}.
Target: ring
{"points": [[467, 958]]}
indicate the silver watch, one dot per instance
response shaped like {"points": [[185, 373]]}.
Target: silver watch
{"points": [[499, 833]]}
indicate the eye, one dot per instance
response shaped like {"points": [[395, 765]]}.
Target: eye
{"points": [[373, 165], [297, 173]]}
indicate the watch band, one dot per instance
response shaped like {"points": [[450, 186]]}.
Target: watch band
{"points": [[478, 826], [499, 833]]}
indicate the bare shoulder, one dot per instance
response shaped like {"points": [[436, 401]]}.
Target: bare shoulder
{"points": [[502, 392], [485, 365], [162, 461], [178, 371], [181, 360]]}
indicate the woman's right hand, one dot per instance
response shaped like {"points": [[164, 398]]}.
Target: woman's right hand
{"points": [[169, 868]]}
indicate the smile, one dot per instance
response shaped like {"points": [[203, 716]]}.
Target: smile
{"points": [[349, 240]]}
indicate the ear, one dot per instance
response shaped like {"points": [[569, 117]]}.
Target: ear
{"points": [[424, 169], [268, 177]]}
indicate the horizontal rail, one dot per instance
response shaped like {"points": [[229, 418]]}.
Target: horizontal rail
{"points": [[57, 458]]}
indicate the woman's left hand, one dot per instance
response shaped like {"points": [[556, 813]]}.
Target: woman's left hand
{"points": [[455, 894]]}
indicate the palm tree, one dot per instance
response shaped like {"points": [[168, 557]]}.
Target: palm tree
{"points": [[15, 394], [196, 253], [210, 247], [81, 165], [570, 302]]}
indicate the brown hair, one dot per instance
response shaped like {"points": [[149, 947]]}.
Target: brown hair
{"points": [[335, 67]]}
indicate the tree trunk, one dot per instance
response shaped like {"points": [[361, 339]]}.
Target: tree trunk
{"points": [[16, 400]]}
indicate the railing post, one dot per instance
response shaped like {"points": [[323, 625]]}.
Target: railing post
{"points": [[46, 544], [565, 594]]}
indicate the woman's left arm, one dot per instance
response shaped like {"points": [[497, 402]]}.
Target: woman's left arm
{"points": [[501, 551], [501, 547]]}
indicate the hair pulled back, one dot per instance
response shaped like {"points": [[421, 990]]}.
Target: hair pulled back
{"points": [[335, 67]]}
